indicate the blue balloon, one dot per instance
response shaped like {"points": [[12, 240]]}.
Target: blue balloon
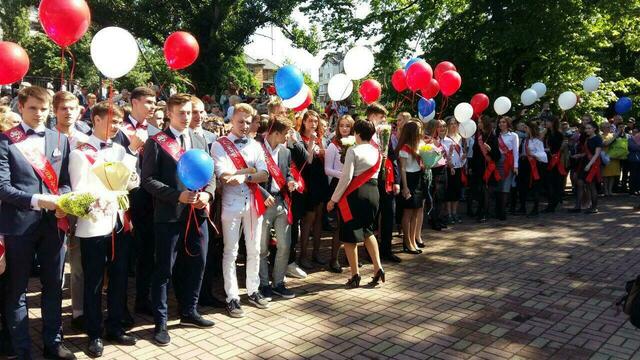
{"points": [[623, 105], [426, 107], [195, 169], [288, 81], [411, 62]]}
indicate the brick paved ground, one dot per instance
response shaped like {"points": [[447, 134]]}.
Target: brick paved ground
{"points": [[532, 289]]}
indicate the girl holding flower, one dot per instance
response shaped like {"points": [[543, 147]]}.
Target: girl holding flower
{"points": [[435, 132], [454, 148]]}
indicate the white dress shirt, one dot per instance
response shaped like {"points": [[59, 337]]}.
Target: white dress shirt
{"points": [[185, 134], [76, 138], [84, 180], [511, 141], [454, 156], [536, 149], [237, 196], [332, 164]]}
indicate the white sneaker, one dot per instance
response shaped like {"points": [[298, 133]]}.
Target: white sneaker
{"points": [[293, 270]]}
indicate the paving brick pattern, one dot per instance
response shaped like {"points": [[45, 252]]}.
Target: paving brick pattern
{"points": [[527, 289]]}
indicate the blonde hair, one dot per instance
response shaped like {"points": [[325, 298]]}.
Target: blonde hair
{"points": [[245, 108]]}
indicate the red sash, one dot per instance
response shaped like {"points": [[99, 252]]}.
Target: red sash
{"points": [[89, 152], [594, 170], [1, 249], [297, 177], [416, 157], [463, 170], [556, 161], [276, 174], [388, 169], [533, 165], [40, 165], [169, 145], [356, 182], [490, 169], [240, 164], [132, 130], [508, 157]]}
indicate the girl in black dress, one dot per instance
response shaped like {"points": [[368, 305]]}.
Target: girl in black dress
{"points": [[357, 198], [588, 172], [556, 172], [317, 189], [412, 183], [483, 169]]}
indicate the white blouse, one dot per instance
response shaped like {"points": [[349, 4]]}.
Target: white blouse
{"points": [[411, 164], [512, 142], [332, 164], [359, 158], [454, 148], [535, 148]]}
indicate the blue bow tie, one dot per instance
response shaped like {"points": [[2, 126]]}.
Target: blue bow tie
{"points": [[240, 141], [33, 132], [106, 145]]}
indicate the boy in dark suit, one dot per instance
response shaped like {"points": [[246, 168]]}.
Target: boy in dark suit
{"points": [[172, 204], [33, 173]]}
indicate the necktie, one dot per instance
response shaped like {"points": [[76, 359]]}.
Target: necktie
{"points": [[106, 145], [182, 144], [240, 141], [141, 126], [33, 132]]}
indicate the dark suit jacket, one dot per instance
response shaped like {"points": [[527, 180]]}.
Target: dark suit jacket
{"points": [[160, 179], [19, 182], [284, 158]]}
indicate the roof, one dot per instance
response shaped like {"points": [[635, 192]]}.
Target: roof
{"points": [[265, 63]]}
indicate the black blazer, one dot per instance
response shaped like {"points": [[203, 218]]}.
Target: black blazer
{"points": [[160, 179], [19, 182], [284, 158]]}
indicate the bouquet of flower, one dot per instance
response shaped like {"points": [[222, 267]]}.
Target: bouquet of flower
{"points": [[429, 154], [385, 135], [347, 142], [115, 177], [89, 206]]}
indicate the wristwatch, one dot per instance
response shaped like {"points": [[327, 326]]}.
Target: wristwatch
{"points": [[249, 177]]}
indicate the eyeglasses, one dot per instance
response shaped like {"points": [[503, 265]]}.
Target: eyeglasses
{"points": [[159, 118]]}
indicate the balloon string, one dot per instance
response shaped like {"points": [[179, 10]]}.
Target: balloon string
{"points": [[73, 64], [445, 100], [62, 65], [186, 81]]}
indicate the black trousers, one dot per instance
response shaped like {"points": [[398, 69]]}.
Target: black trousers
{"points": [[100, 253], [527, 186], [385, 215], [144, 240], [171, 248], [554, 183]]}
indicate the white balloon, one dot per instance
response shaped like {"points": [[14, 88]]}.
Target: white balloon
{"points": [[540, 89], [358, 62], [467, 128], [298, 99], [463, 111], [114, 51], [528, 97], [567, 100], [591, 84], [427, 118], [340, 87], [502, 105]]}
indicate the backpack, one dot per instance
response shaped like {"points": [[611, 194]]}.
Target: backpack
{"points": [[630, 302]]}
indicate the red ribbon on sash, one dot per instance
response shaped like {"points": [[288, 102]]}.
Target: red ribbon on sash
{"points": [[463, 170], [89, 152], [555, 161], [240, 164], [534, 175], [490, 165], [415, 156], [508, 164], [40, 165], [388, 170], [297, 177], [277, 176], [355, 183], [169, 145], [594, 170]]}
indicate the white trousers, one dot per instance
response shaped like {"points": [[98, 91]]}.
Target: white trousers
{"points": [[233, 220]]}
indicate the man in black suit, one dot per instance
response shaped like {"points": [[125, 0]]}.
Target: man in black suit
{"points": [[33, 173], [277, 192], [173, 206]]}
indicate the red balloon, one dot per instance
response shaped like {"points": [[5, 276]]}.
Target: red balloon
{"points": [[479, 102], [271, 90], [64, 21], [419, 74], [431, 90], [14, 62], [442, 68], [399, 80], [181, 49], [306, 102], [370, 90], [450, 82]]}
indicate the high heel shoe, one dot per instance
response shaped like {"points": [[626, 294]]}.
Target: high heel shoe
{"points": [[406, 250], [420, 244], [377, 278], [354, 282]]}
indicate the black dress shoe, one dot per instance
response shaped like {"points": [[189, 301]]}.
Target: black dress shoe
{"points": [[391, 258], [211, 301], [161, 335], [196, 320], [59, 352], [122, 339], [420, 244], [95, 348]]}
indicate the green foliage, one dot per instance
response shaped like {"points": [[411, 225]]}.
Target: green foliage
{"points": [[235, 71]]}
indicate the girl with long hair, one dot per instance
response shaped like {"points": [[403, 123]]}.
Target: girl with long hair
{"points": [[533, 160], [508, 143], [435, 132], [454, 146], [555, 170], [484, 172], [333, 162], [588, 172]]}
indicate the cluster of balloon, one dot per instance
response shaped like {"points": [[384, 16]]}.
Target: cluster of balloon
{"points": [[14, 62], [623, 105], [464, 113], [181, 50], [290, 86], [534, 93], [358, 63]]}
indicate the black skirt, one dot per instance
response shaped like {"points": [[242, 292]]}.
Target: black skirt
{"points": [[416, 185], [317, 191], [364, 206], [454, 185]]}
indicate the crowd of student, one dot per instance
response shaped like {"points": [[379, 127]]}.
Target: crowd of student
{"points": [[280, 179]]}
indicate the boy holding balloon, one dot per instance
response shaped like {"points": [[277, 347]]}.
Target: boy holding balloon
{"points": [[180, 202], [104, 241]]}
